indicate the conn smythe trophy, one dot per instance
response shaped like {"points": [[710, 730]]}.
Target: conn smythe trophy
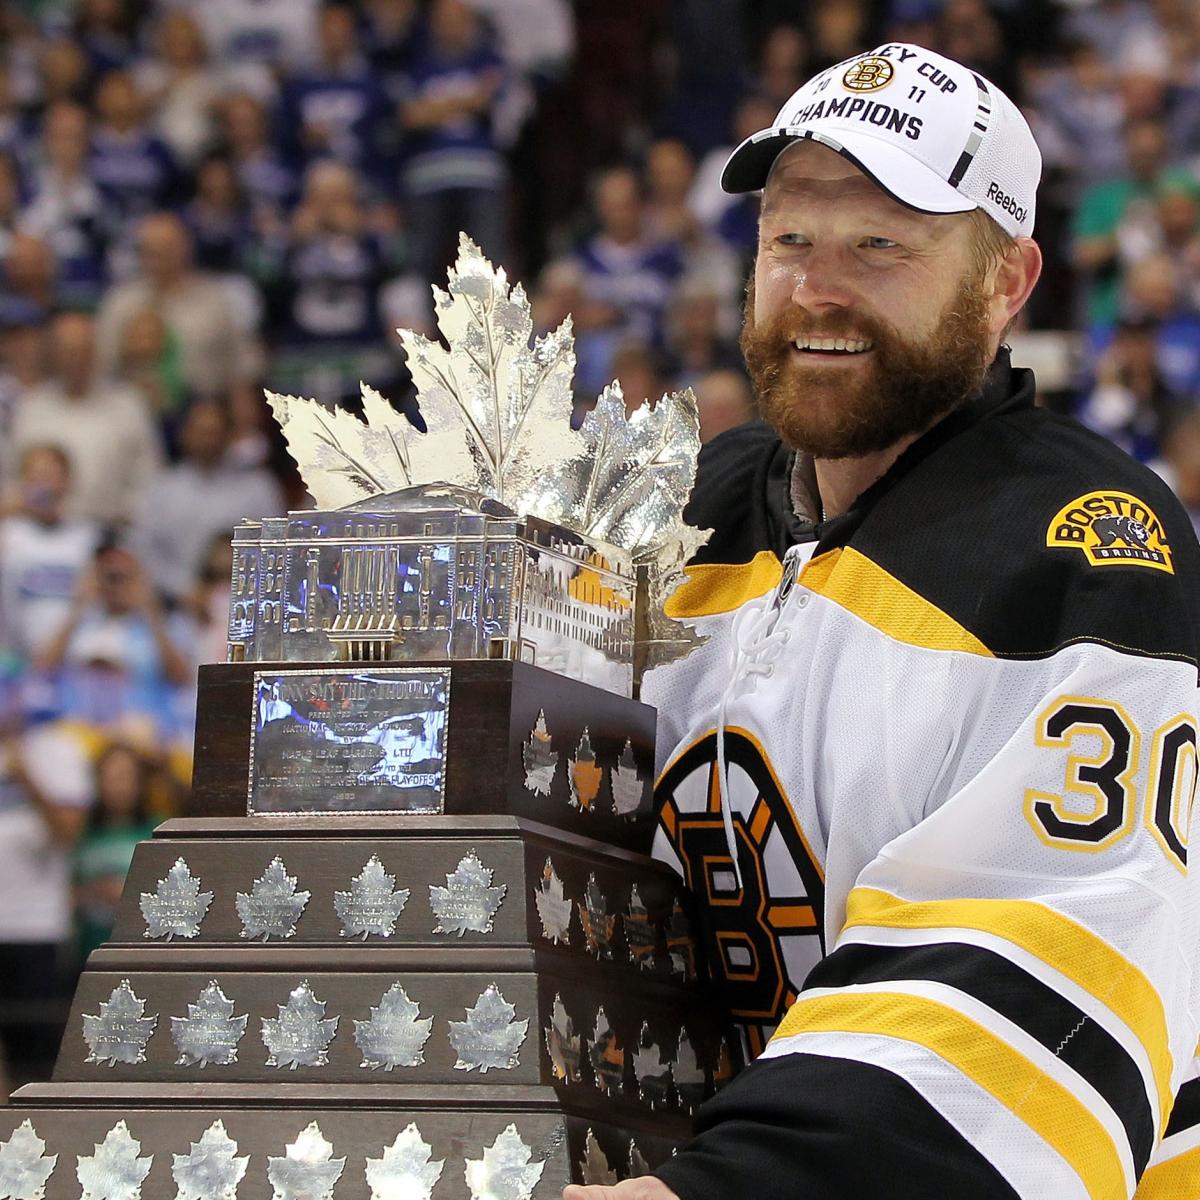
{"points": [[409, 943]]}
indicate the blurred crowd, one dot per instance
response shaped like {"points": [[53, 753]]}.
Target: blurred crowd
{"points": [[200, 200]]}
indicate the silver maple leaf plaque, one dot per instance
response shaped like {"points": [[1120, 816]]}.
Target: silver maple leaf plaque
{"points": [[688, 1075], [405, 1172], [651, 1071], [300, 1035], [273, 906], [607, 1055], [396, 1034], [541, 761], [468, 901], [553, 908], [505, 1171], [115, 1171], [594, 1168], [638, 1166], [599, 928], [120, 1031], [24, 1165], [628, 787], [490, 1037], [212, 1170], [371, 906], [210, 1033], [177, 905], [563, 1044], [681, 948], [640, 932], [585, 775], [307, 1170]]}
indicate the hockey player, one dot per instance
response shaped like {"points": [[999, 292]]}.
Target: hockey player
{"points": [[931, 776]]}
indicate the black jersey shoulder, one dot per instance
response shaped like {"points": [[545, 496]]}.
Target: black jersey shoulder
{"points": [[741, 494], [993, 526]]}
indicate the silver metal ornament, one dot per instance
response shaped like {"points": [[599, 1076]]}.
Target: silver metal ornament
{"points": [[120, 1031], [300, 1035], [490, 1037], [372, 906], [209, 1034], [405, 1172], [505, 1171], [177, 905], [395, 1036], [307, 1170], [273, 906], [25, 1166], [115, 1171], [468, 901]]}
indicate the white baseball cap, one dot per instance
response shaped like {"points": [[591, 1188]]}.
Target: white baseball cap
{"points": [[932, 133]]}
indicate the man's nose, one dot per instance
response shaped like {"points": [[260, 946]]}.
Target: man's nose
{"points": [[823, 280]]}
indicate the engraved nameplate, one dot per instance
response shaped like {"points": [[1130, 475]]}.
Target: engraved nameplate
{"points": [[349, 741]]}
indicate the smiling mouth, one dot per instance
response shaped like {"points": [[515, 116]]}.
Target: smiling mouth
{"points": [[833, 347]]}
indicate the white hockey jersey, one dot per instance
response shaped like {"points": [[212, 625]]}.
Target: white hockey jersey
{"points": [[931, 779]]}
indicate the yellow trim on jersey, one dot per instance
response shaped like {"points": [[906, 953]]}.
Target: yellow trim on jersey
{"points": [[1059, 942], [1045, 1105], [712, 588], [862, 587], [1176, 1179]]}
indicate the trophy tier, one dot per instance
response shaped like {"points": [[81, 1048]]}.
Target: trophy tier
{"points": [[412, 944], [432, 572]]}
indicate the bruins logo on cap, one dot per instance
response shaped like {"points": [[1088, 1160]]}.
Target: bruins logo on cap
{"points": [[868, 75], [1112, 528]]}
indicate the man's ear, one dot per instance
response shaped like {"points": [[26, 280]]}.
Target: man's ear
{"points": [[1012, 280]]}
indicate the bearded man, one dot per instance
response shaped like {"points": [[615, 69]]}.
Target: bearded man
{"points": [[931, 776]]}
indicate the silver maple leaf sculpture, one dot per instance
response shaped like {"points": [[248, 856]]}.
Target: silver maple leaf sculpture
{"points": [[497, 406]]}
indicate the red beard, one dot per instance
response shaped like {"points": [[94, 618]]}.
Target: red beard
{"points": [[902, 388]]}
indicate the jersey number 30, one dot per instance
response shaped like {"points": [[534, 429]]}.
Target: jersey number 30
{"points": [[1098, 804]]}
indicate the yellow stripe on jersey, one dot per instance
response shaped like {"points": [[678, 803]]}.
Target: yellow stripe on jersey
{"points": [[1047, 1107], [712, 588], [1176, 1179], [854, 582], [1062, 944]]}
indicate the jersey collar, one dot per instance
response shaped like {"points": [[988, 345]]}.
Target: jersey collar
{"points": [[1005, 389]]}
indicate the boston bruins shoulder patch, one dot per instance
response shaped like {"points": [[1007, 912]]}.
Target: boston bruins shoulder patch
{"points": [[1112, 529]]}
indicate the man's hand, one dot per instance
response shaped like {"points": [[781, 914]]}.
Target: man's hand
{"points": [[646, 1188]]}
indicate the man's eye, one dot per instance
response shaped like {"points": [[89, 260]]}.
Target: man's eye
{"points": [[880, 243], [791, 239]]}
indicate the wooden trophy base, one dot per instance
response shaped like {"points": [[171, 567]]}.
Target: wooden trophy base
{"points": [[512, 983]]}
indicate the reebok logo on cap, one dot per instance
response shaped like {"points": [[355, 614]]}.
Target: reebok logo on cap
{"points": [[932, 133]]}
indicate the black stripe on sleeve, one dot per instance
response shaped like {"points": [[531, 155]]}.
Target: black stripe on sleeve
{"points": [[807, 1127], [1186, 1113], [1064, 1029]]}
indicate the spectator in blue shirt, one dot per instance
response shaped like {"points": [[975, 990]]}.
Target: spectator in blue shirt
{"points": [[104, 30], [627, 278], [270, 185], [323, 282], [65, 206], [1130, 402], [218, 217], [133, 169], [454, 173], [1153, 295], [334, 108]]}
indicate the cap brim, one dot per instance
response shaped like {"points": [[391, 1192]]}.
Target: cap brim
{"points": [[904, 178]]}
